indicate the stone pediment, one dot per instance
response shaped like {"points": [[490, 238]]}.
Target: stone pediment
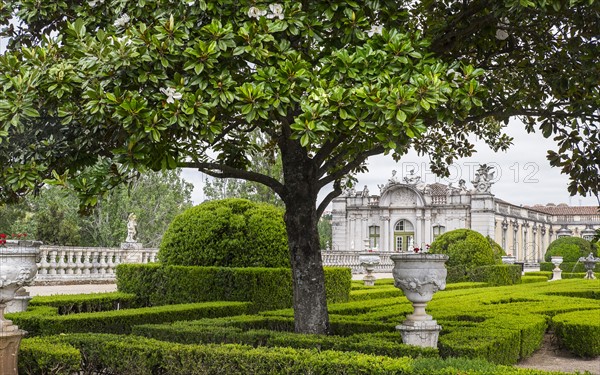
{"points": [[401, 195]]}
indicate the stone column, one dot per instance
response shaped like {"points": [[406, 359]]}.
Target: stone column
{"points": [[10, 339], [385, 233]]}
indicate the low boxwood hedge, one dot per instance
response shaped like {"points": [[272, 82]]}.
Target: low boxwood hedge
{"points": [[267, 288], [48, 357], [143, 356], [382, 343], [533, 279], [498, 274], [566, 267], [44, 320], [78, 303], [579, 332]]}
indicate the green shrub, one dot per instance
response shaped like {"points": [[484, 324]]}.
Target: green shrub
{"points": [[227, 233], [267, 288], [142, 356], [45, 320], [43, 357], [546, 274], [464, 247], [383, 343], [570, 248], [498, 274], [533, 279], [579, 332], [78, 303], [496, 249], [566, 267]]}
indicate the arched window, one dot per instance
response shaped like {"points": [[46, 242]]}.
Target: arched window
{"points": [[404, 234], [438, 230]]}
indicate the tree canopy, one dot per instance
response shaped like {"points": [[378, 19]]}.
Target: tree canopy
{"points": [[92, 91], [52, 216]]}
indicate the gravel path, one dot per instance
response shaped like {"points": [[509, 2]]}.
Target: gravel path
{"points": [[550, 358]]}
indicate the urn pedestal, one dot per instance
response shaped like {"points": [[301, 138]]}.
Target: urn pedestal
{"points": [[556, 272], [369, 261], [589, 263], [419, 276], [17, 269]]}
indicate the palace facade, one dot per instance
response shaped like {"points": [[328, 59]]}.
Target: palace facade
{"points": [[411, 214]]}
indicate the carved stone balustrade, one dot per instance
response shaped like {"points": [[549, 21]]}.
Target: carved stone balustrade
{"points": [[63, 264], [350, 259]]}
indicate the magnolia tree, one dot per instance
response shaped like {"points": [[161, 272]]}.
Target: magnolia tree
{"points": [[92, 91]]}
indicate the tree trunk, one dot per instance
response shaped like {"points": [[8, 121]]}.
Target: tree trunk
{"points": [[310, 304], [300, 198]]}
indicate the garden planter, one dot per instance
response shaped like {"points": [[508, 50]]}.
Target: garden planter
{"points": [[556, 272], [589, 263], [419, 276], [17, 269], [369, 261]]}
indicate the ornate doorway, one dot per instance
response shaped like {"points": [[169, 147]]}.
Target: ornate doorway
{"points": [[404, 236]]}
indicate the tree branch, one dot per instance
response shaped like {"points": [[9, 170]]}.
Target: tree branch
{"points": [[337, 190], [350, 166], [224, 171], [327, 149]]}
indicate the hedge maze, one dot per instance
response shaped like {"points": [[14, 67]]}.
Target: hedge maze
{"points": [[486, 329]]}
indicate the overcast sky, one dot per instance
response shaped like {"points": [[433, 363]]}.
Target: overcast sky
{"points": [[522, 174]]}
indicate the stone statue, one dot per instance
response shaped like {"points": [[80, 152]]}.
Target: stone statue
{"points": [[483, 178], [365, 192], [393, 179], [412, 179], [131, 228], [462, 186]]}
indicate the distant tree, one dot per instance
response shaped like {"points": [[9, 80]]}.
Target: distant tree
{"points": [[55, 213], [13, 216], [156, 198], [53, 218], [268, 164], [325, 230]]}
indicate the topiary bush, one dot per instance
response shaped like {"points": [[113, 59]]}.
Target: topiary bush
{"points": [[570, 248], [465, 248], [227, 233], [497, 249]]}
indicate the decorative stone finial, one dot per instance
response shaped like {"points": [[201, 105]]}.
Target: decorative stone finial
{"points": [[483, 179]]}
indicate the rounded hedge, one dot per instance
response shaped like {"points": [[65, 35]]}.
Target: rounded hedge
{"points": [[227, 233], [465, 248], [496, 249], [570, 248]]}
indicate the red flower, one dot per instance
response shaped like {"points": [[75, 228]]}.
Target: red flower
{"points": [[2, 235]]}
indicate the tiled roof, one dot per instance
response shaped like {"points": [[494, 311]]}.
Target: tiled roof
{"points": [[563, 209], [438, 189]]}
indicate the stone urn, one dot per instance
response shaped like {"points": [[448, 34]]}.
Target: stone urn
{"points": [[589, 263], [17, 269], [419, 276], [556, 272], [508, 259], [369, 260]]}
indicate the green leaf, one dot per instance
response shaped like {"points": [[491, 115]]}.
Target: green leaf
{"points": [[400, 115]]}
